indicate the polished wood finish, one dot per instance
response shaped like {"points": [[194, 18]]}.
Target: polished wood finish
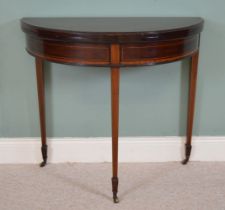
{"points": [[191, 104], [114, 42], [158, 52], [112, 29], [115, 77], [87, 41], [75, 53], [41, 100]]}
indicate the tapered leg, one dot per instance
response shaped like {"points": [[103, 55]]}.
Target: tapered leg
{"points": [[115, 74], [41, 101], [115, 77], [191, 105]]}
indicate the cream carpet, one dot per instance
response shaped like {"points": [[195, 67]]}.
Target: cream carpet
{"points": [[142, 186]]}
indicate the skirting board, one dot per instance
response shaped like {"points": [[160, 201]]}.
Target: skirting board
{"points": [[131, 149]]}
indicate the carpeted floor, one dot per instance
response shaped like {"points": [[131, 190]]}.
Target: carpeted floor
{"points": [[142, 186]]}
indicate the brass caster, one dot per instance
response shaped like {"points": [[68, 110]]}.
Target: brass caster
{"points": [[115, 199], [42, 164], [44, 150], [185, 161], [187, 154], [115, 182]]}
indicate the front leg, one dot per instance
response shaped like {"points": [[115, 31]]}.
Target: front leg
{"points": [[115, 76], [115, 125]]}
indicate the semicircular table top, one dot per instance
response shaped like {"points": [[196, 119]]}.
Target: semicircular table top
{"points": [[113, 29]]}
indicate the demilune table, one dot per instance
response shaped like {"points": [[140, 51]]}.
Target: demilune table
{"points": [[115, 43]]}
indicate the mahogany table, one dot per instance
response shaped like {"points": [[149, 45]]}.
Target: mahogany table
{"points": [[115, 43]]}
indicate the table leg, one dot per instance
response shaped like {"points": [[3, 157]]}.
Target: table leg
{"points": [[41, 101], [191, 105], [115, 75]]}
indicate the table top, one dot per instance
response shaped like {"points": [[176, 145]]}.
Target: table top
{"points": [[112, 29]]}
